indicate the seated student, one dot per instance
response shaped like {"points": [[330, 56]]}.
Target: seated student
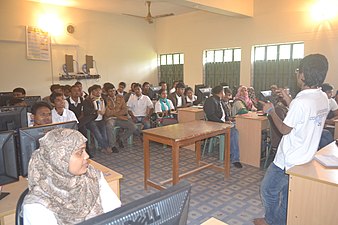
{"points": [[120, 89], [18, 99], [147, 91], [93, 111], [252, 96], [41, 113], [66, 91], [140, 107], [83, 93], [60, 114], [163, 85], [75, 102], [178, 97], [190, 98], [333, 113], [117, 115], [163, 108], [130, 93], [218, 111], [242, 103], [336, 97], [55, 88], [173, 88], [63, 187]]}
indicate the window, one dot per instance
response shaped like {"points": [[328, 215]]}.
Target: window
{"points": [[171, 67], [222, 66], [275, 64]]}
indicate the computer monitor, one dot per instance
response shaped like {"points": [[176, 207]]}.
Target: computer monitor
{"points": [[29, 141], [5, 97], [31, 100], [9, 172], [266, 95], [197, 87], [166, 207], [69, 64], [13, 117], [155, 91], [203, 93]]}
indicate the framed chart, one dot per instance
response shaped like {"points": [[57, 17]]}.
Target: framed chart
{"points": [[38, 44]]}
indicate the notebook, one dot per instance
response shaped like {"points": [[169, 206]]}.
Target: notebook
{"points": [[329, 161]]}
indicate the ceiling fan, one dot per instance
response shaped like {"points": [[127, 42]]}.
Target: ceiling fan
{"points": [[149, 18]]}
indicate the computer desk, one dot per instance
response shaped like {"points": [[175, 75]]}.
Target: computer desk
{"points": [[250, 128], [180, 135], [8, 204], [189, 114], [313, 192]]}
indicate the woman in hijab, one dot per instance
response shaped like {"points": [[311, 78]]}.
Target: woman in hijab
{"points": [[242, 103], [63, 188]]}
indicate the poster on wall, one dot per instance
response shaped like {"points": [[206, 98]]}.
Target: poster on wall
{"points": [[38, 44]]}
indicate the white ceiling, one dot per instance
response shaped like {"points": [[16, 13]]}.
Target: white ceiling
{"points": [[139, 8]]}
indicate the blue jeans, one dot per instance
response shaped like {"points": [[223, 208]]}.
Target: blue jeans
{"points": [[325, 139], [274, 195], [146, 123], [234, 147], [98, 128]]}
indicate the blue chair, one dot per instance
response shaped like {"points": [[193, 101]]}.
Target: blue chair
{"points": [[210, 143], [90, 138], [18, 211], [131, 138]]}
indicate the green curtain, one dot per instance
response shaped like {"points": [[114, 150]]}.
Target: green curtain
{"points": [[170, 73], [279, 72], [222, 72]]}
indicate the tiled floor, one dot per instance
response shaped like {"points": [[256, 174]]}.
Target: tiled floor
{"points": [[234, 200]]}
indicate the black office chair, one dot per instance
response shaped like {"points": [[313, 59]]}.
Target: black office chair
{"points": [[18, 214]]}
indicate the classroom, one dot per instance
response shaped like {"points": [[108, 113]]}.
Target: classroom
{"points": [[130, 49]]}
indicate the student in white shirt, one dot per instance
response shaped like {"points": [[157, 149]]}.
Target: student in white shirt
{"points": [[302, 128], [178, 97], [60, 114], [63, 187], [140, 107], [189, 96]]}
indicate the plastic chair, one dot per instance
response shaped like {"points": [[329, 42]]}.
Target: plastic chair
{"points": [[18, 212], [212, 142], [90, 138], [116, 130]]}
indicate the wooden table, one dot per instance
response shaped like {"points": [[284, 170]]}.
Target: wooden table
{"points": [[190, 114], [250, 128], [313, 192], [8, 204], [183, 134]]}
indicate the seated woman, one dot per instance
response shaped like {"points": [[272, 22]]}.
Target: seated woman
{"points": [[190, 97], [242, 103], [63, 187], [163, 108]]}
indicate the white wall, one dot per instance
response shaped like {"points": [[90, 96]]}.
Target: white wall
{"points": [[123, 47], [273, 22]]}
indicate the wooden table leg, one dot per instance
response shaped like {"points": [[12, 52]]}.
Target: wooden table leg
{"points": [[146, 160], [175, 155], [227, 154], [198, 151]]}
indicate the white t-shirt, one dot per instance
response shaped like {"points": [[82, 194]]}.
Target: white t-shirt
{"points": [[139, 105], [306, 116], [179, 101], [194, 98], [67, 115], [158, 107], [37, 214], [333, 104]]}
